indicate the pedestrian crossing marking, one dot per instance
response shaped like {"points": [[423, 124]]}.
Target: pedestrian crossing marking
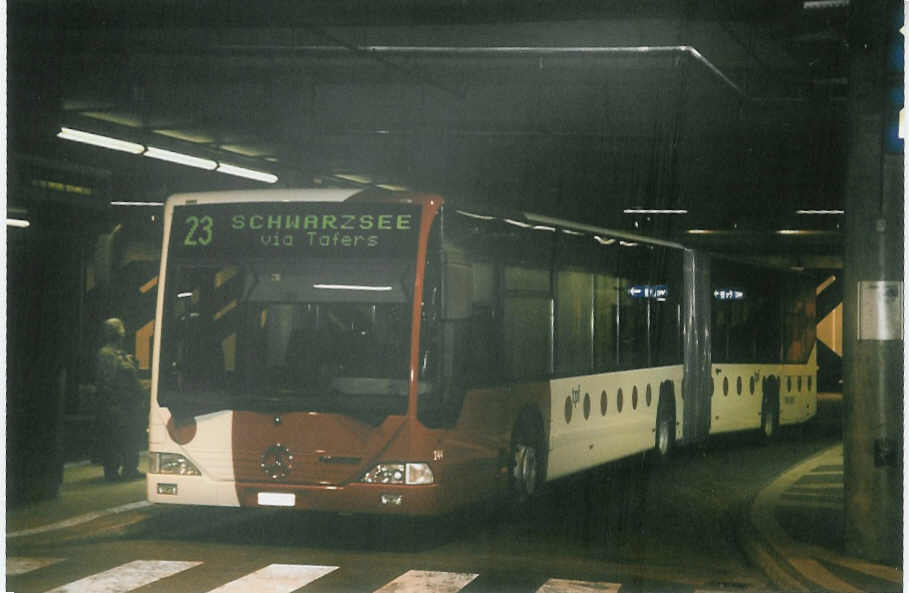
{"points": [[126, 577], [276, 578], [421, 581], [18, 566], [820, 575], [811, 487], [567, 586], [810, 504]]}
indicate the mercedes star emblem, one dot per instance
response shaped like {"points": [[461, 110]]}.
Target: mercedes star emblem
{"points": [[277, 461]]}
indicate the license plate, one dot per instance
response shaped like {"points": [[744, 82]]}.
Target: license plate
{"points": [[277, 499]]}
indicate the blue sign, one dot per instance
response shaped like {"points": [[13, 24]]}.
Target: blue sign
{"points": [[660, 292], [728, 294], [893, 143]]}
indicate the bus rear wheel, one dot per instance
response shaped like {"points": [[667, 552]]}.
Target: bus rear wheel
{"points": [[768, 423], [526, 471], [770, 415], [665, 431]]}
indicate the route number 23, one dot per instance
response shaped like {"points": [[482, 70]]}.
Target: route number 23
{"points": [[199, 230]]}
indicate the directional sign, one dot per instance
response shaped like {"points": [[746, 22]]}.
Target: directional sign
{"points": [[728, 294], [660, 292]]}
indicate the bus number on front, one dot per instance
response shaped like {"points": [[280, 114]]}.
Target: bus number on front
{"points": [[199, 231]]}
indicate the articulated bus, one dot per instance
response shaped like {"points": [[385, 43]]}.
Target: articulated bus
{"points": [[388, 353]]}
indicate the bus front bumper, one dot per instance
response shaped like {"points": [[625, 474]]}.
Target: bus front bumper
{"points": [[350, 498], [355, 498]]}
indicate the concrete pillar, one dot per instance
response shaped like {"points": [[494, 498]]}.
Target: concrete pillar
{"points": [[873, 292]]}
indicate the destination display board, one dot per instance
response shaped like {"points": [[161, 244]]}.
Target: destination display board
{"points": [[299, 229]]}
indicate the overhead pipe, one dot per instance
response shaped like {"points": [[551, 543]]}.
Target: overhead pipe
{"points": [[380, 51]]}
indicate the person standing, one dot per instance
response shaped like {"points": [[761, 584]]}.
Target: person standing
{"points": [[119, 416]]}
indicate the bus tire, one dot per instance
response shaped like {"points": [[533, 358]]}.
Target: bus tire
{"points": [[770, 411], [526, 463], [664, 439]]}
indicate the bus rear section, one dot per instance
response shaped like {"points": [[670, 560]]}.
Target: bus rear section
{"points": [[763, 347], [289, 359]]}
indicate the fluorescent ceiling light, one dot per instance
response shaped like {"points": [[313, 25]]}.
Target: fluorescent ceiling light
{"points": [[628, 244], [472, 215], [165, 155], [247, 173], [820, 211], [352, 287], [137, 203], [184, 295], [653, 211], [181, 159], [803, 232], [98, 140], [18, 222], [603, 241], [355, 178], [825, 4], [518, 223]]}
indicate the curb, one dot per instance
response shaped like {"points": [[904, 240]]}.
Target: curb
{"points": [[790, 565], [764, 555], [80, 519]]}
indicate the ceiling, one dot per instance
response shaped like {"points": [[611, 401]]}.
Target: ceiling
{"points": [[731, 110]]}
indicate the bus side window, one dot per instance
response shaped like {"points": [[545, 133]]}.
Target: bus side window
{"points": [[527, 323], [606, 311], [798, 320], [574, 322], [665, 308], [634, 278]]}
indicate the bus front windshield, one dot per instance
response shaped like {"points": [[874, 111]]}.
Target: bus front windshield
{"points": [[323, 336]]}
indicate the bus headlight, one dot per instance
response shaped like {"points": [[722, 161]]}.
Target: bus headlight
{"points": [[172, 463], [411, 474]]}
